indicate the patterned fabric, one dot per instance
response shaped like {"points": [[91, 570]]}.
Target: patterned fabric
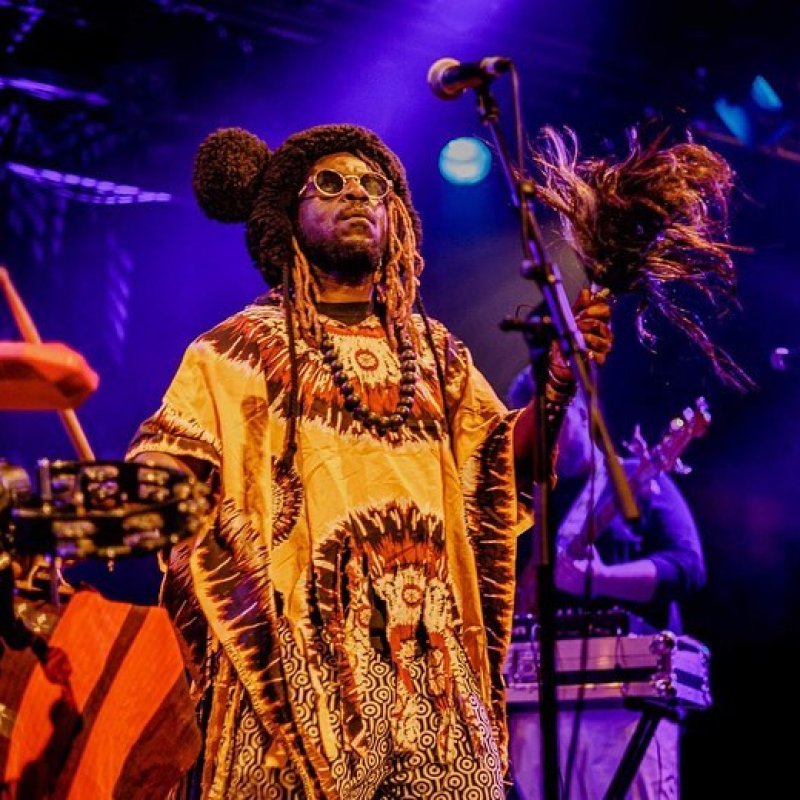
{"points": [[474, 770], [404, 542]]}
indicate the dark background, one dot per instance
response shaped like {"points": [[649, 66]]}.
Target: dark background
{"points": [[124, 92]]}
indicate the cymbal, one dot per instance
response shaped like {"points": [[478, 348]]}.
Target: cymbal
{"points": [[47, 377]]}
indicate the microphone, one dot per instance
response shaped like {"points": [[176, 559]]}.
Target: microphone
{"points": [[783, 358], [449, 78]]}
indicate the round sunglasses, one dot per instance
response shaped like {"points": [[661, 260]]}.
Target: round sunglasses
{"points": [[331, 183]]}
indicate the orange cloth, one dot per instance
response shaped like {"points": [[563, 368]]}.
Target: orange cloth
{"points": [[123, 726]]}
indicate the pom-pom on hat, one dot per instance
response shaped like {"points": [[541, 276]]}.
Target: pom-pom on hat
{"points": [[227, 172], [236, 179]]}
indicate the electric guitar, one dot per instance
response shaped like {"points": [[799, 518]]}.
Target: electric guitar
{"points": [[665, 456]]}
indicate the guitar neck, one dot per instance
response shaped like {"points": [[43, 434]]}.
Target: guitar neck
{"points": [[651, 462], [605, 510]]}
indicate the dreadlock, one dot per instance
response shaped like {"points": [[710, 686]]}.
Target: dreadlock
{"points": [[397, 286], [305, 292]]}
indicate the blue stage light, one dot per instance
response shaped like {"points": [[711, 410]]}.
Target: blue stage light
{"points": [[755, 116], [764, 96], [736, 120], [465, 161]]}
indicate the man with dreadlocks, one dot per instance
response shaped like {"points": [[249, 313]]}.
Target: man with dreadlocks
{"points": [[346, 613]]}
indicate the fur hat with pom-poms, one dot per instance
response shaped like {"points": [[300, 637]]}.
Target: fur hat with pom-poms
{"points": [[236, 179]]}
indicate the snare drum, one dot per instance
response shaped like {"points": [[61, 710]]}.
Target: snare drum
{"points": [[101, 509]]}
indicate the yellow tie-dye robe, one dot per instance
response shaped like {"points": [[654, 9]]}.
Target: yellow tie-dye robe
{"points": [[290, 570]]}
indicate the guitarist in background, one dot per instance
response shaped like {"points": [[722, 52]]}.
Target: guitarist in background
{"points": [[648, 571]]}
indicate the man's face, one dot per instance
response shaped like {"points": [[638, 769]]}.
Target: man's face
{"points": [[345, 234]]}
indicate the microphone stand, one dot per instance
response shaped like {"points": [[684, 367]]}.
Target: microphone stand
{"points": [[537, 267]]}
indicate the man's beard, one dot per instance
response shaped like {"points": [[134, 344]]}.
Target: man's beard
{"points": [[348, 262]]}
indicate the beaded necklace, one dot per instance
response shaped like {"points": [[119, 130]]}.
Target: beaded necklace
{"points": [[378, 423]]}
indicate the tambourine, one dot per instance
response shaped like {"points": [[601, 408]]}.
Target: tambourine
{"points": [[98, 509]]}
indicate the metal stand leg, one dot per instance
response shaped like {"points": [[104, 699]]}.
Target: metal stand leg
{"points": [[634, 753]]}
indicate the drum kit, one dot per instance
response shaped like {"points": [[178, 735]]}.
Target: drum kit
{"points": [[71, 512]]}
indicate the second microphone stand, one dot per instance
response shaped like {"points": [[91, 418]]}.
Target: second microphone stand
{"points": [[538, 268]]}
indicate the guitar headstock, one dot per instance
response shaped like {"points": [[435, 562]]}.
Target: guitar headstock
{"points": [[692, 423]]}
